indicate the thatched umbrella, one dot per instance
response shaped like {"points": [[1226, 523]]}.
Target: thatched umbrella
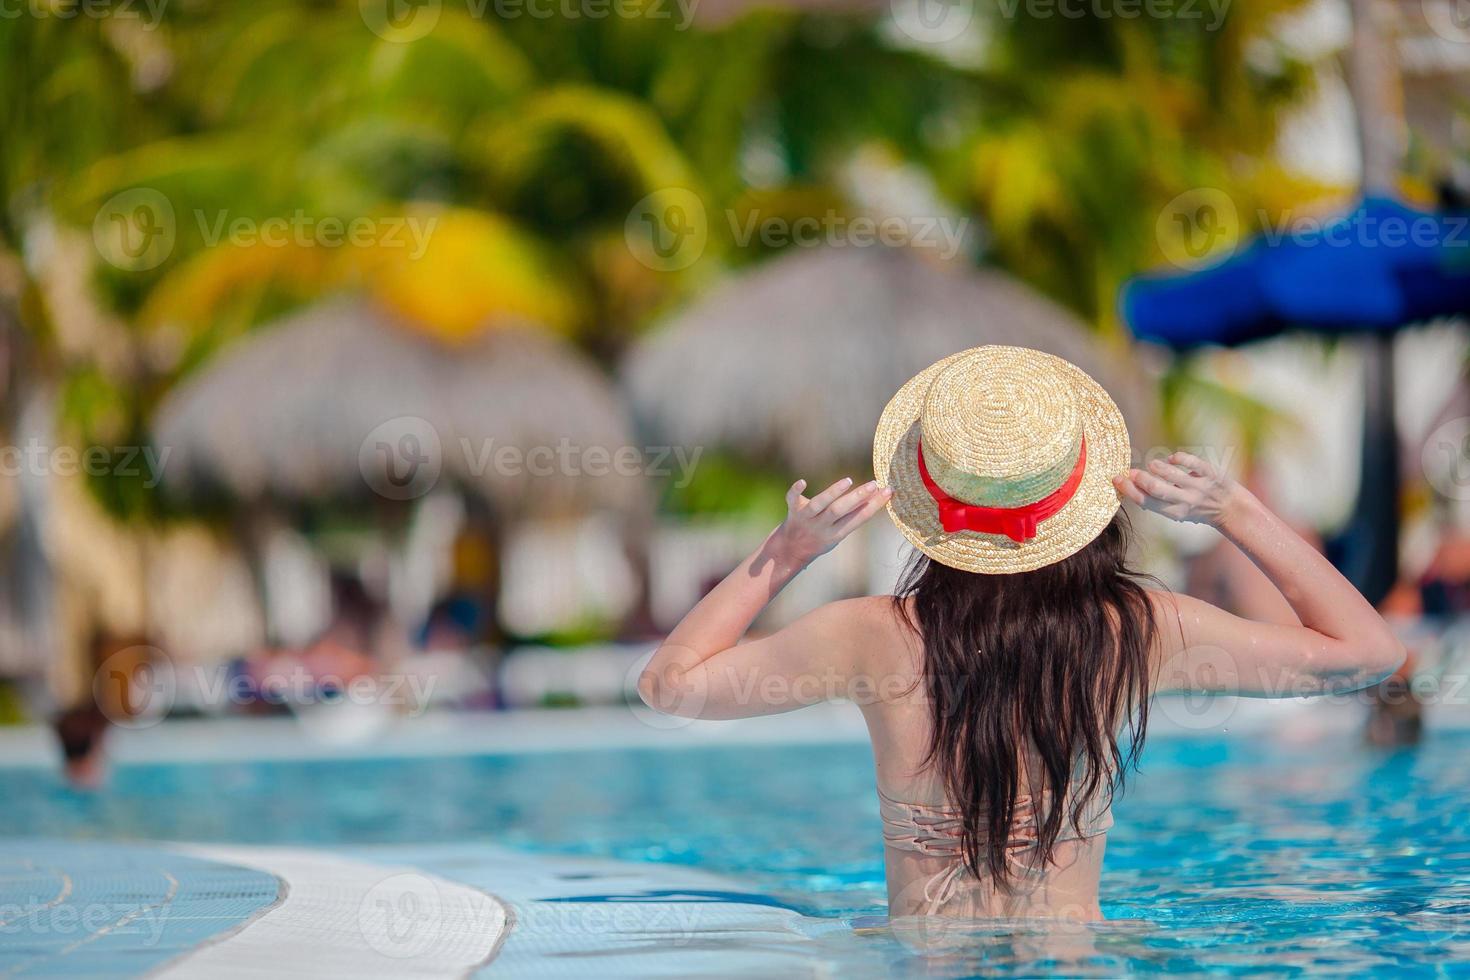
{"points": [[797, 359], [342, 401]]}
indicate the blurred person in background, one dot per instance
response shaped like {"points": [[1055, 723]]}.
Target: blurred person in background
{"points": [[121, 685], [346, 649], [1437, 602], [456, 651], [82, 730], [452, 659], [1444, 588], [1020, 647]]}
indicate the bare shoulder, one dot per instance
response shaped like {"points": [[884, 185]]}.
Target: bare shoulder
{"points": [[876, 627], [864, 612], [1174, 612], [1165, 607]]}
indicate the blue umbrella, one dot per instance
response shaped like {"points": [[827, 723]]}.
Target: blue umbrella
{"points": [[1376, 268]]}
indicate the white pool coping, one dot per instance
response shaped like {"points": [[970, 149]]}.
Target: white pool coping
{"points": [[573, 729], [343, 918]]}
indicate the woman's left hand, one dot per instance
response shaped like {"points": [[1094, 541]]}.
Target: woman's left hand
{"points": [[1183, 488], [814, 526]]}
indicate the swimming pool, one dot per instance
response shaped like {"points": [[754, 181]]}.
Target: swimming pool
{"points": [[1230, 854]]}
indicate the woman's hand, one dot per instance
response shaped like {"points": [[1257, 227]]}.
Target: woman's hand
{"points": [[814, 526], [1183, 488]]}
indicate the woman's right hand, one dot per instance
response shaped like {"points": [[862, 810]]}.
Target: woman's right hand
{"points": [[1183, 488], [814, 526]]}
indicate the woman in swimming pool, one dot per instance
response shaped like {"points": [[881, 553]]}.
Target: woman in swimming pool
{"points": [[1006, 686]]}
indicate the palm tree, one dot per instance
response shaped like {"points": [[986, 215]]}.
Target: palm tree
{"points": [[536, 139], [1110, 119]]}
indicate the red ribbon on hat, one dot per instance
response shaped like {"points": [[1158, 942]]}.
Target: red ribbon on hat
{"points": [[1016, 523]]}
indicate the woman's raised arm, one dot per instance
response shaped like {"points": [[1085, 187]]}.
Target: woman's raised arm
{"points": [[1342, 643], [703, 671]]}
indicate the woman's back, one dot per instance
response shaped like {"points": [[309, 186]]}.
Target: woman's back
{"points": [[922, 827]]}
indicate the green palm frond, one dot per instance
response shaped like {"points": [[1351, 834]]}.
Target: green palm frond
{"points": [[574, 155]]}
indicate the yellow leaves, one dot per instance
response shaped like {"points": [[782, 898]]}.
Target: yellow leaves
{"points": [[203, 286], [221, 291], [449, 273], [1279, 192], [1019, 182], [475, 271]]}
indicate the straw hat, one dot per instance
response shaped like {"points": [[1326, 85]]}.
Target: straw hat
{"points": [[1019, 449]]}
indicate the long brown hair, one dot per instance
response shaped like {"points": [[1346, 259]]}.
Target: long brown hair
{"points": [[1043, 670]]}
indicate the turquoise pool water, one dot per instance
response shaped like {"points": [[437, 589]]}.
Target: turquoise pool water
{"points": [[1236, 856]]}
